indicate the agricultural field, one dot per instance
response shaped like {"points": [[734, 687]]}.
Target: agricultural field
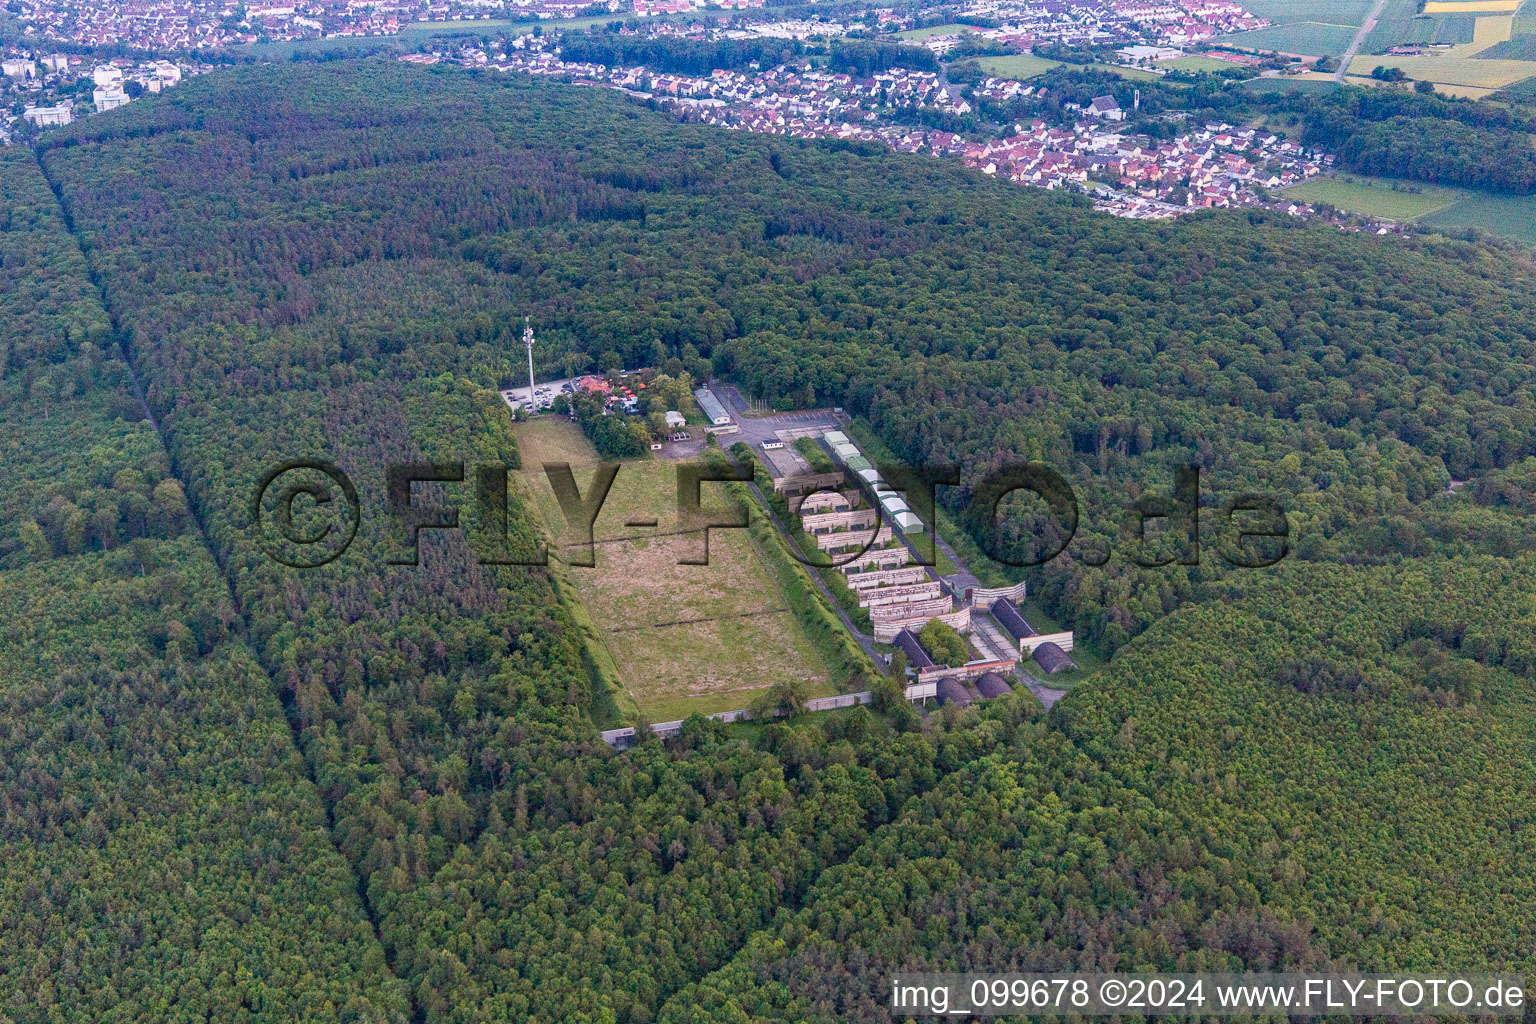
{"points": [[1469, 65], [1471, 6], [1374, 198], [1017, 66], [1308, 38], [1402, 23], [1327, 12], [1129, 74], [919, 34], [1521, 44], [1198, 64], [1450, 69], [1512, 217], [683, 638]]}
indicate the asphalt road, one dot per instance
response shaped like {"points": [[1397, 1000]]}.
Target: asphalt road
{"points": [[1354, 46]]}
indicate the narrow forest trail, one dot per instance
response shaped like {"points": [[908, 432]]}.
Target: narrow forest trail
{"points": [[121, 336]]}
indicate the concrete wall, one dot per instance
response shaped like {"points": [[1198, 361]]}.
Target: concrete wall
{"points": [[986, 597], [959, 621], [820, 501], [1062, 640], [967, 672], [854, 519], [809, 482], [625, 737], [887, 577], [874, 597], [887, 558], [843, 540]]}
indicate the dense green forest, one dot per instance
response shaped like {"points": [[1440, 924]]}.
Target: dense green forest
{"points": [[333, 261], [1198, 812], [163, 852]]}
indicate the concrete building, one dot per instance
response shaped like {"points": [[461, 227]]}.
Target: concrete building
{"points": [[105, 76], [19, 67], [109, 98], [47, 117], [712, 407], [1105, 107]]}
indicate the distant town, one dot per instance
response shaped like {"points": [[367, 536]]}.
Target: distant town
{"points": [[1210, 165], [1093, 147], [162, 25]]}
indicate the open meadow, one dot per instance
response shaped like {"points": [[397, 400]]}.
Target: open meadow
{"points": [[1512, 217], [1019, 66], [684, 638], [1199, 64], [917, 35], [1375, 198]]}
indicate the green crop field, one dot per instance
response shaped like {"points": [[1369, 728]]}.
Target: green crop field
{"points": [[1313, 39], [1447, 68], [1017, 66], [1131, 74], [1327, 12], [432, 28], [1375, 198], [917, 34], [1198, 64], [684, 638], [1512, 217], [1292, 84]]}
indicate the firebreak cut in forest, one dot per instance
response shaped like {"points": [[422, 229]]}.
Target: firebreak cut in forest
{"points": [[365, 792]]}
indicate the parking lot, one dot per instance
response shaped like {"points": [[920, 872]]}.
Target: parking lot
{"points": [[545, 393]]}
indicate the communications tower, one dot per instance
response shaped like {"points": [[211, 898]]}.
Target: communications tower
{"points": [[528, 344]]}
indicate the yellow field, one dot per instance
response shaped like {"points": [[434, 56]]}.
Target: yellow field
{"points": [[1449, 70], [1471, 6], [1487, 31], [683, 638], [1465, 92], [1454, 70]]}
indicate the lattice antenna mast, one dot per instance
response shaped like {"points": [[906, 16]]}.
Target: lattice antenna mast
{"points": [[528, 344]]}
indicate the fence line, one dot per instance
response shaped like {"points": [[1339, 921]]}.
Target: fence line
{"points": [[625, 737]]}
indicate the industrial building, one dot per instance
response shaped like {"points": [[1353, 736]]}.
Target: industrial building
{"points": [[712, 407], [917, 658], [896, 510]]}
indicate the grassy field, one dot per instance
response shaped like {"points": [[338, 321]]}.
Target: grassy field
{"points": [[1471, 6], [575, 23], [1375, 198], [432, 28], [1467, 64], [917, 34], [1308, 83], [1198, 64], [1130, 74], [1512, 217], [1309, 38], [1327, 12], [1017, 66], [684, 638], [1450, 69]]}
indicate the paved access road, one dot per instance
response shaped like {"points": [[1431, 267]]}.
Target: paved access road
{"points": [[1354, 46]]}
